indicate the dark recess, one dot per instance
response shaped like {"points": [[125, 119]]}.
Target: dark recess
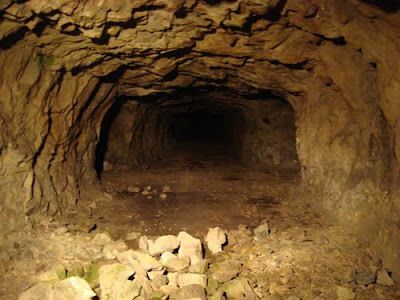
{"points": [[390, 6], [101, 147]]}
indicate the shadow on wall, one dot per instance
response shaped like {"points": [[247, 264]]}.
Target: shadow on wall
{"points": [[102, 145]]}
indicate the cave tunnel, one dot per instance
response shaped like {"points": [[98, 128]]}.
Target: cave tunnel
{"points": [[202, 149], [215, 127]]}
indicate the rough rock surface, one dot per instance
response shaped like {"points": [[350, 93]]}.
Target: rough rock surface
{"points": [[64, 63]]}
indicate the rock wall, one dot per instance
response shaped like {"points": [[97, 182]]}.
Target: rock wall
{"points": [[64, 62]]}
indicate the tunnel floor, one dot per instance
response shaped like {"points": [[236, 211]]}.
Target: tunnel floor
{"points": [[303, 257], [209, 187]]}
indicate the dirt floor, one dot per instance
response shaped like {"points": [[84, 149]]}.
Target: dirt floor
{"points": [[304, 256]]}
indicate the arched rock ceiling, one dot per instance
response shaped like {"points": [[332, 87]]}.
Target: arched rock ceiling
{"points": [[162, 45]]}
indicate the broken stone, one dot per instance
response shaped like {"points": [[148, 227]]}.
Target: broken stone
{"points": [[215, 239], [239, 288], [144, 243], [128, 259], [133, 235], [162, 244], [72, 288], [84, 225], [159, 281], [364, 278], [75, 270], [55, 274], [39, 291], [191, 247], [168, 289], [147, 261], [225, 270], [212, 286], [173, 278], [261, 233], [114, 280], [344, 293], [153, 274], [384, 279], [134, 189], [102, 238], [145, 283], [201, 267], [166, 189], [192, 278], [163, 196], [174, 263], [193, 291]]}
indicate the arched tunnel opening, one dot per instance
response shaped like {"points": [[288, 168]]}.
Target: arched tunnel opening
{"points": [[210, 129], [195, 150]]}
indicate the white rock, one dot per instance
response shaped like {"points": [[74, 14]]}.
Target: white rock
{"points": [[144, 243], [72, 288], [174, 263], [102, 239], [40, 291], [189, 292], [166, 189], [154, 274], [163, 196], [201, 267], [191, 247], [134, 189], [167, 289], [145, 283], [132, 235], [173, 278], [114, 282], [162, 244], [128, 259], [147, 261], [261, 233], [159, 281], [215, 239], [192, 278]]}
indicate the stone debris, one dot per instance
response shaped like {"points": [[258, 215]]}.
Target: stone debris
{"points": [[70, 288], [147, 261], [256, 271], [114, 281], [384, 279], [133, 235], [225, 270], [191, 247], [192, 292], [163, 196], [166, 189], [201, 267], [134, 189], [215, 238], [261, 233], [192, 278], [174, 263], [162, 244], [344, 293], [364, 277]]}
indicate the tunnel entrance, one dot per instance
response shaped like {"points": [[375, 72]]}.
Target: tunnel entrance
{"points": [[197, 159], [214, 128]]}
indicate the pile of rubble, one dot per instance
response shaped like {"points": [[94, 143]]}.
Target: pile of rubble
{"points": [[264, 263], [167, 267]]}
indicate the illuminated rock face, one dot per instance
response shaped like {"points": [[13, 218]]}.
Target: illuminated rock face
{"points": [[64, 63]]}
